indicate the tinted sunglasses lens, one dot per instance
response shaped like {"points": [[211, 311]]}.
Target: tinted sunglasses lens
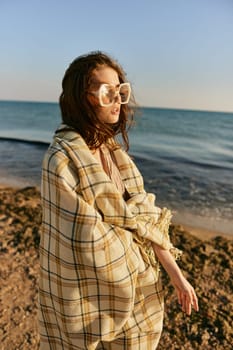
{"points": [[107, 95], [124, 93]]}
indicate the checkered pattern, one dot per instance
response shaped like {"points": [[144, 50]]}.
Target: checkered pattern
{"points": [[97, 283]]}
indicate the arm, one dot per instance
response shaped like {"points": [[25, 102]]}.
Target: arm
{"points": [[185, 292]]}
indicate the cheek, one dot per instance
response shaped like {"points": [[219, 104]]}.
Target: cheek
{"points": [[93, 101], [103, 113]]}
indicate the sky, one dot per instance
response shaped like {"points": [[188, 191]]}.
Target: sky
{"points": [[177, 53]]}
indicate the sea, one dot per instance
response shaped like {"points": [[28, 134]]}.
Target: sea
{"points": [[185, 156]]}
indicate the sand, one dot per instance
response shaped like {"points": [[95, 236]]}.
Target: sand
{"points": [[207, 262]]}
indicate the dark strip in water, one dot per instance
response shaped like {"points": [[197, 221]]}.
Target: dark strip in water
{"points": [[178, 160], [33, 142]]}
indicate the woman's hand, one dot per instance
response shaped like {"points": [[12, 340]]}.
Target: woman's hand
{"points": [[185, 292], [186, 295]]}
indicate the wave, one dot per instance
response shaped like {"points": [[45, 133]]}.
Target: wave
{"points": [[191, 162], [175, 161], [28, 141]]}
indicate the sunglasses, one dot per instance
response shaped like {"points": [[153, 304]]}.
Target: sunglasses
{"points": [[108, 93]]}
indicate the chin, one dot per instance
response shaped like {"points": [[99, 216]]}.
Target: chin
{"points": [[114, 119], [110, 118]]}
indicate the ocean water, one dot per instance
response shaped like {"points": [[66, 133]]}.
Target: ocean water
{"points": [[186, 157]]}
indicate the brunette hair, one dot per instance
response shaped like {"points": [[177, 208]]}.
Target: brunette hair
{"points": [[78, 113]]}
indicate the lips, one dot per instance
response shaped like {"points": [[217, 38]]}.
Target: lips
{"points": [[115, 111]]}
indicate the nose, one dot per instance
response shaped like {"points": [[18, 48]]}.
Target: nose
{"points": [[117, 98]]}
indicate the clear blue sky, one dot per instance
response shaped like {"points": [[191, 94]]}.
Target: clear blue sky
{"points": [[177, 53]]}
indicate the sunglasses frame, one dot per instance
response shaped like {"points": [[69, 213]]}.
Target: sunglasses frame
{"points": [[98, 94]]}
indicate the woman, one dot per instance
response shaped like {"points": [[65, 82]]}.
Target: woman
{"points": [[103, 237]]}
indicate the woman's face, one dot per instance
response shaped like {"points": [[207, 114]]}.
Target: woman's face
{"points": [[105, 75]]}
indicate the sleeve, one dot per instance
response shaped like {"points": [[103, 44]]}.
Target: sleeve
{"points": [[152, 222], [91, 266]]}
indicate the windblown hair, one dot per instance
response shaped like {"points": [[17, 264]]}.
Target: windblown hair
{"points": [[78, 113]]}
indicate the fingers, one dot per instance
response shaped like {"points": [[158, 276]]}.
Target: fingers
{"points": [[195, 301], [188, 305], [179, 295], [186, 295], [188, 300]]}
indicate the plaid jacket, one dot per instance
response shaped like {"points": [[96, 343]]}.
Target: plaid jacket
{"points": [[97, 279]]}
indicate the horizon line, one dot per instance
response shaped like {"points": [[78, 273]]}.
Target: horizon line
{"points": [[141, 106]]}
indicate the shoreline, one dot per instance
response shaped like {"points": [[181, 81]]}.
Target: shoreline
{"points": [[185, 221], [202, 227], [202, 234]]}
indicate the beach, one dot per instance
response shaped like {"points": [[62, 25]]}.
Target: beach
{"points": [[207, 262], [186, 160]]}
